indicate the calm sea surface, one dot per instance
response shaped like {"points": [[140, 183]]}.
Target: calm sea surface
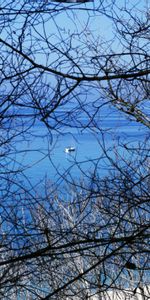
{"points": [[47, 157]]}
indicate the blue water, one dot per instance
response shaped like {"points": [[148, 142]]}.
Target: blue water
{"points": [[44, 156]]}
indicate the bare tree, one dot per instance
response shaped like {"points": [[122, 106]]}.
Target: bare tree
{"points": [[60, 70]]}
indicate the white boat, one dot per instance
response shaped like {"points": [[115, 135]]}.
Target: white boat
{"points": [[72, 1], [69, 149]]}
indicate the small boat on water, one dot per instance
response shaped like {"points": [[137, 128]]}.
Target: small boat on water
{"points": [[72, 1], [69, 149]]}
